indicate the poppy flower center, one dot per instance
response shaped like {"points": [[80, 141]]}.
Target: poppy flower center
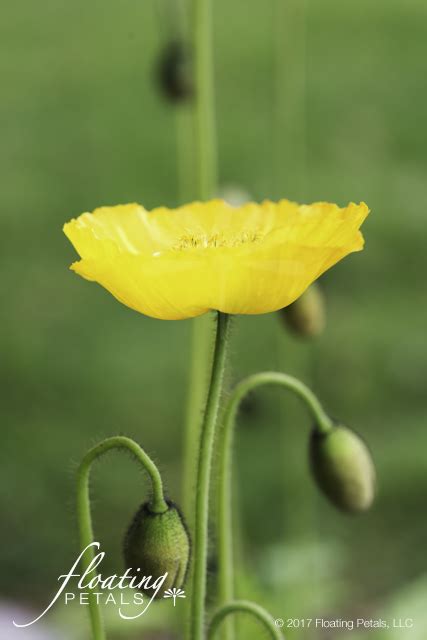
{"points": [[216, 240]]}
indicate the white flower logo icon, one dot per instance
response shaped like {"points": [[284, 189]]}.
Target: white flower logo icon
{"points": [[174, 593]]}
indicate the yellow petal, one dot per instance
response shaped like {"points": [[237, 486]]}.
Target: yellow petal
{"points": [[180, 263]]}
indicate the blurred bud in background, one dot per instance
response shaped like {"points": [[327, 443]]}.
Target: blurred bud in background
{"points": [[234, 194], [306, 317], [343, 468], [158, 543], [173, 72]]}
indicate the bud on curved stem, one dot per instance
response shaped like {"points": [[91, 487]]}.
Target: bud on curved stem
{"points": [[225, 541], [158, 544], [343, 468], [157, 505], [244, 606]]}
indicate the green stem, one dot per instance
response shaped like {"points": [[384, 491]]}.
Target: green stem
{"points": [[201, 351], [184, 119], [158, 505], [225, 543], [243, 606], [205, 161], [289, 97], [198, 594], [185, 158], [204, 98]]}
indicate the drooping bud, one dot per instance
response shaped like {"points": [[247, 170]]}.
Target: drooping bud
{"points": [[306, 317], [343, 468], [158, 543], [174, 74]]}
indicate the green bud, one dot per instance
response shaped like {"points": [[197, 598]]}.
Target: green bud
{"points": [[306, 317], [158, 543], [343, 468]]}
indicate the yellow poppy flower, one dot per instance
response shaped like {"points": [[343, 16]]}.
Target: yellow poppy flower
{"points": [[180, 263]]}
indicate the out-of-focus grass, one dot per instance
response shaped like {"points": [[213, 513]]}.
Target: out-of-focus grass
{"points": [[81, 126]]}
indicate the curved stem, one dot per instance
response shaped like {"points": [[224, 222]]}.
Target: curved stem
{"points": [[244, 606], [198, 594], [225, 543], [158, 505]]}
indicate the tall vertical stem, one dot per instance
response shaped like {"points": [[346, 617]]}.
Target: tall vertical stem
{"points": [[204, 99], [201, 346], [184, 155], [198, 594], [290, 136], [184, 118], [290, 98], [205, 164]]}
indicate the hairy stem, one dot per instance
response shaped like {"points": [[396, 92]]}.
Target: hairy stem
{"points": [[225, 538], [158, 505], [205, 162], [201, 349], [198, 594]]}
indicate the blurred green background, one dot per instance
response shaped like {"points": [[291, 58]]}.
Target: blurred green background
{"points": [[83, 124]]}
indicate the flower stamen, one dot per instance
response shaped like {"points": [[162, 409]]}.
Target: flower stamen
{"points": [[216, 240]]}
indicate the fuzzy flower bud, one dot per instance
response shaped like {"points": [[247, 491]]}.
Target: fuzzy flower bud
{"points": [[158, 543], [306, 316], [343, 468]]}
